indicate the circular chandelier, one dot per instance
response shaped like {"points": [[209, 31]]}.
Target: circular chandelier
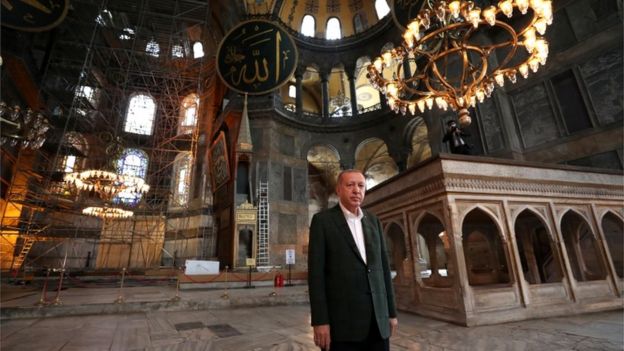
{"points": [[107, 184], [454, 53], [107, 212]]}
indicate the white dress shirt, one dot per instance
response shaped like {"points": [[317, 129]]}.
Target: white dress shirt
{"points": [[355, 225]]}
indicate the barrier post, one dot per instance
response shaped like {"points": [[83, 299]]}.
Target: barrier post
{"points": [[57, 299], [120, 297], [274, 292], [177, 294], [42, 300], [225, 293]]}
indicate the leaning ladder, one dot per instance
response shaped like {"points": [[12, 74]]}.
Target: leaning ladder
{"points": [[263, 224]]}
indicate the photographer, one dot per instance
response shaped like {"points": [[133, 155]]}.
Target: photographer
{"points": [[456, 138]]}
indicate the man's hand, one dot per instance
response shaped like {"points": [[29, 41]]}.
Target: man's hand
{"points": [[394, 326], [321, 336]]}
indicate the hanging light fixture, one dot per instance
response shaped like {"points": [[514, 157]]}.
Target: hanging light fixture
{"points": [[23, 127], [457, 53], [106, 212], [107, 184]]}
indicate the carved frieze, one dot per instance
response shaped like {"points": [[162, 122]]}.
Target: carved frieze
{"points": [[518, 187]]}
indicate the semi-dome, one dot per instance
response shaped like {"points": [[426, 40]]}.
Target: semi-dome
{"points": [[325, 19]]}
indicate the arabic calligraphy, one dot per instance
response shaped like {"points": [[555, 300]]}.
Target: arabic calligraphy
{"points": [[256, 57]]}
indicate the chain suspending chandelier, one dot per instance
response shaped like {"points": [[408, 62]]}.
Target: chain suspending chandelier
{"points": [[454, 53]]}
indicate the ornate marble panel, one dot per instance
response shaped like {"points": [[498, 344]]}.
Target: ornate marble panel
{"points": [[491, 126], [604, 78], [535, 116]]}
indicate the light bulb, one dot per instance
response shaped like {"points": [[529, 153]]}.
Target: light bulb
{"points": [[480, 95], [524, 70], [387, 58], [378, 64], [429, 102], [414, 26], [421, 105], [534, 63], [529, 39], [408, 36], [500, 80], [474, 16], [506, 7], [523, 6], [489, 14], [547, 13], [454, 8], [540, 25], [391, 89]]}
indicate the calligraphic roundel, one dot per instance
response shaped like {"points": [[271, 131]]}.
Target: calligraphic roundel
{"points": [[33, 15], [256, 57]]}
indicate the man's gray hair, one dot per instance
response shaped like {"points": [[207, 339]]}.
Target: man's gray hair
{"points": [[349, 171]]}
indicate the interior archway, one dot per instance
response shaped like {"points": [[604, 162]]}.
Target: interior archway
{"points": [[613, 228], [486, 259], [582, 248], [538, 254]]}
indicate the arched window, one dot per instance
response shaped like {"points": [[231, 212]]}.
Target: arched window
{"points": [[358, 23], [188, 114], [132, 162], [140, 115], [308, 26], [177, 51], [382, 8], [152, 48], [182, 179], [292, 91], [333, 30], [198, 50]]}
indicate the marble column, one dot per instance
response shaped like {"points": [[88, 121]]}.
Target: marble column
{"points": [[354, 111], [325, 92], [299, 93]]}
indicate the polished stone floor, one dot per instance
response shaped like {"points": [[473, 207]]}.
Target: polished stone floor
{"points": [[287, 328]]}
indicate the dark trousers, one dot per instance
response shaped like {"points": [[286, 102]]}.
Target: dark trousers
{"points": [[373, 342]]}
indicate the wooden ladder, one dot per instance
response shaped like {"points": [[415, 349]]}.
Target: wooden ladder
{"points": [[18, 260]]}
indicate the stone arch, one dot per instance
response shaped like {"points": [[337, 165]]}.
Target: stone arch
{"points": [[486, 257], [323, 169], [396, 248], [373, 159], [545, 220], [339, 92], [311, 97], [582, 247], [613, 230], [539, 257], [433, 251], [367, 96], [416, 138]]}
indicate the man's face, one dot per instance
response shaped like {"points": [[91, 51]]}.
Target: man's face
{"points": [[351, 189]]}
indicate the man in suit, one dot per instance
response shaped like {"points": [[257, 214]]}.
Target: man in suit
{"points": [[351, 295]]}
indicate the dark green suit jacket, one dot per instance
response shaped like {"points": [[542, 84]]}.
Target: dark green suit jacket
{"points": [[345, 292]]}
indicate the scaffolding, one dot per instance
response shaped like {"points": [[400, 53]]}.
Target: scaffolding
{"points": [[100, 55]]}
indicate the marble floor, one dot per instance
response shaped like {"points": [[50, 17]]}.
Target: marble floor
{"points": [[287, 328]]}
